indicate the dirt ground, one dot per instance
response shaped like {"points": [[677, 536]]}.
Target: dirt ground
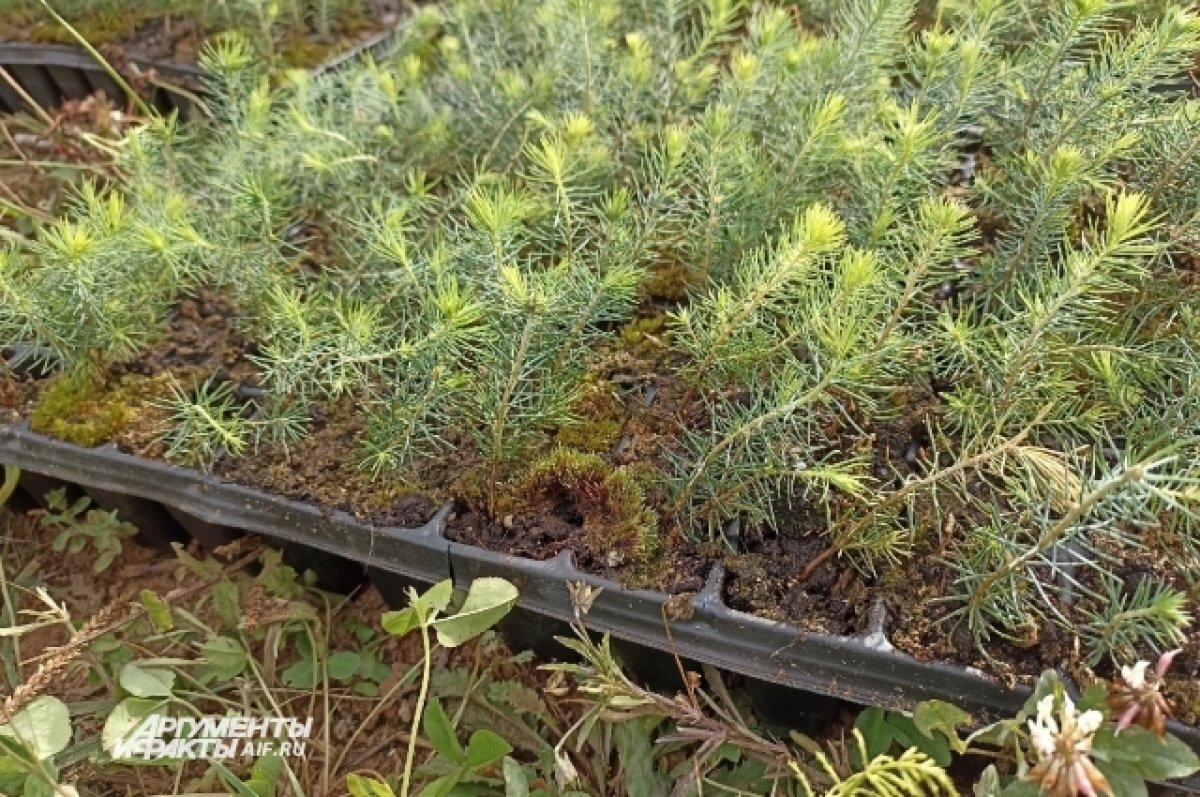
{"points": [[380, 736]]}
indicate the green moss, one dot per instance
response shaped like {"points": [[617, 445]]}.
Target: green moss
{"points": [[300, 50], [670, 282], [602, 418], [74, 408], [98, 28], [471, 485], [80, 408], [618, 527]]}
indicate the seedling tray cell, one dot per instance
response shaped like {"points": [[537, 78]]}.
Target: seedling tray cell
{"points": [[783, 667]]}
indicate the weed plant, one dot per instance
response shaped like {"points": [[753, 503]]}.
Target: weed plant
{"points": [[968, 234]]}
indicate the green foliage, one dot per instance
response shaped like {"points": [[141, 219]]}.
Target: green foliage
{"points": [[722, 750], [487, 601], [488, 724], [12, 478], [931, 729], [79, 526], [969, 225], [909, 773], [210, 423], [95, 292], [28, 743], [483, 751], [1150, 616], [998, 579]]}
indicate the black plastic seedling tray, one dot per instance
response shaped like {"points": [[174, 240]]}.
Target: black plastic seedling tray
{"points": [[52, 73], [783, 667], [794, 678]]}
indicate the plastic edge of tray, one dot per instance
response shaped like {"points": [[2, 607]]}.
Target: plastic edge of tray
{"points": [[419, 553], [19, 53], [23, 53], [864, 669]]}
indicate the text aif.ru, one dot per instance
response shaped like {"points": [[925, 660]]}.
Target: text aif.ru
{"points": [[190, 738]]}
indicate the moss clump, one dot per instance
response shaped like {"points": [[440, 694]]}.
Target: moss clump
{"points": [[81, 408], [76, 408], [601, 420], [671, 282], [299, 48], [299, 51], [618, 527], [33, 24]]}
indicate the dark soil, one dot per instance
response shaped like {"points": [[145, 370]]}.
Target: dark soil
{"points": [[834, 600], [675, 568], [323, 469], [1183, 687]]}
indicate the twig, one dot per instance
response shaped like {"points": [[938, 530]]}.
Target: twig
{"points": [[12, 142], [142, 107], [24, 210], [38, 110], [683, 676]]}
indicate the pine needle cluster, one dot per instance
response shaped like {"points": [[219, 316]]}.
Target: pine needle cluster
{"points": [[960, 222]]}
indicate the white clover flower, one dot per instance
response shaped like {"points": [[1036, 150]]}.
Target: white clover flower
{"points": [[1043, 730], [1089, 722], [1135, 676], [1045, 711], [1137, 698], [1077, 729], [1042, 739], [1061, 742]]}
